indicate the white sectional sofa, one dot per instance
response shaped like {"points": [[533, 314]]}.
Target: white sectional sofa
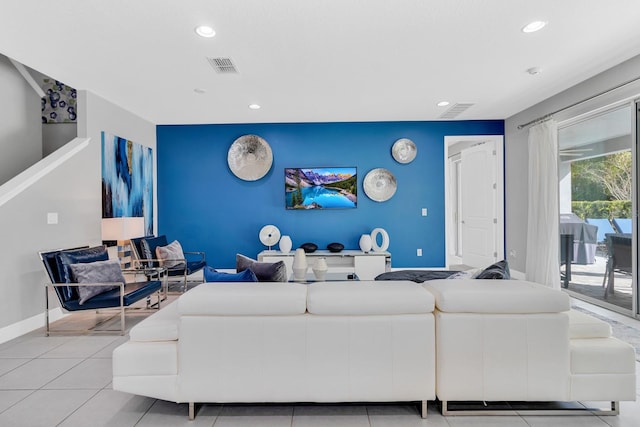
{"points": [[506, 340], [480, 340], [285, 342]]}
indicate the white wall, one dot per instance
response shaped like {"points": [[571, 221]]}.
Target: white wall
{"points": [[102, 115], [73, 191], [516, 151], [20, 129], [55, 135]]}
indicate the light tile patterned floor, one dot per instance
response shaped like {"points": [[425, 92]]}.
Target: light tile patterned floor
{"points": [[66, 381]]}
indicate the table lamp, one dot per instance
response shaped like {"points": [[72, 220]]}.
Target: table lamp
{"points": [[122, 230]]}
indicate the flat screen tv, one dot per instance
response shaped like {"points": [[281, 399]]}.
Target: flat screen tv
{"points": [[321, 188]]}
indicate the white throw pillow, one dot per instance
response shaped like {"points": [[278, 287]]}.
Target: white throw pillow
{"points": [[170, 256]]}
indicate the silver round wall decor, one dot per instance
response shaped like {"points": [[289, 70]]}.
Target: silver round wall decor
{"points": [[404, 150], [379, 185], [250, 157]]}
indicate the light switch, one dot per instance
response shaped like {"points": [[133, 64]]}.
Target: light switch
{"points": [[52, 217], [424, 211]]}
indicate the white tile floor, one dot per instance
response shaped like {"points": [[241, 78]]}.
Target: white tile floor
{"points": [[66, 381]]}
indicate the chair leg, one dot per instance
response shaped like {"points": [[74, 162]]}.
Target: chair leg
{"points": [[46, 310], [122, 325]]}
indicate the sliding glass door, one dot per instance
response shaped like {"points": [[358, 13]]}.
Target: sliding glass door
{"points": [[597, 177]]}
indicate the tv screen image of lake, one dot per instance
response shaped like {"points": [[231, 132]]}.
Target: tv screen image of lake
{"points": [[320, 188]]}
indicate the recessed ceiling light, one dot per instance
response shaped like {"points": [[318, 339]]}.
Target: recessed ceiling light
{"points": [[205, 31], [443, 103], [199, 91], [533, 70], [254, 106], [533, 26]]}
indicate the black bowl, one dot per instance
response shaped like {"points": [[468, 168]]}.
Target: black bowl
{"points": [[335, 247], [309, 247]]}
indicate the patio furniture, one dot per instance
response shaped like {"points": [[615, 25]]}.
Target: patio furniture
{"points": [[604, 227], [624, 225], [620, 259], [584, 238]]}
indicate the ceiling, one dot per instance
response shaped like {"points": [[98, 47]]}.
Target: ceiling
{"points": [[320, 60]]}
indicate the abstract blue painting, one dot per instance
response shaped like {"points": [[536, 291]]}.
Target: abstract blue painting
{"points": [[127, 180]]}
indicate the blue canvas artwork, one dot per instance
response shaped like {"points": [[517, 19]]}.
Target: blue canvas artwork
{"points": [[127, 180]]}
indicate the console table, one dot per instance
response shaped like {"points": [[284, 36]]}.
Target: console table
{"points": [[365, 265]]}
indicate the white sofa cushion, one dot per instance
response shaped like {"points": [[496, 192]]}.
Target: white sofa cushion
{"points": [[368, 298], [582, 325], [602, 356], [160, 326], [244, 299], [496, 296]]}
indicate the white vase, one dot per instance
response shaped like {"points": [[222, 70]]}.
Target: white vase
{"points": [[300, 265], [365, 243], [285, 244], [320, 269]]}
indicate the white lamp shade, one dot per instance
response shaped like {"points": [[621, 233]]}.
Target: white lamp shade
{"points": [[123, 228]]}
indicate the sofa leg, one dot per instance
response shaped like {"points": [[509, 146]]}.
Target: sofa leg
{"points": [[192, 411], [444, 408], [423, 409]]}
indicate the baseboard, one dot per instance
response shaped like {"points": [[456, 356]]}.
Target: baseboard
{"points": [[515, 274], [27, 325]]}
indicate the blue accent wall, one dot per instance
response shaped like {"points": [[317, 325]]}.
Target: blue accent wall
{"points": [[204, 206]]}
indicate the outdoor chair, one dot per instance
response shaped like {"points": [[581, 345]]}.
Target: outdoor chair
{"points": [[624, 225], [619, 260]]}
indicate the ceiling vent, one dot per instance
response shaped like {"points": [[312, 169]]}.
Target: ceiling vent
{"points": [[223, 65], [455, 110]]}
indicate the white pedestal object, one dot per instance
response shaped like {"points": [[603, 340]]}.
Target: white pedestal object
{"points": [[374, 240], [299, 265], [320, 269]]}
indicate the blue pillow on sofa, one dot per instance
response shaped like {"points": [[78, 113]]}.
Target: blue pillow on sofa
{"points": [[211, 275]]}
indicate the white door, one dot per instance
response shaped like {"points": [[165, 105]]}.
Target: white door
{"points": [[479, 208]]}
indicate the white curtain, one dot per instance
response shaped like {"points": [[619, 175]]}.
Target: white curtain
{"points": [[542, 263]]}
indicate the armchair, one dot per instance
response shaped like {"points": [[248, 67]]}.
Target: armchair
{"points": [[56, 264], [143, 250]]}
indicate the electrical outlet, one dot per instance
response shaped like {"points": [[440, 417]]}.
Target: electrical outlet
{"points": [[424, 211], [419, 252], [513, 253]]}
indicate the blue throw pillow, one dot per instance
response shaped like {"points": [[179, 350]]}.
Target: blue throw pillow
{"points": [[66, 258], [211, 275]]}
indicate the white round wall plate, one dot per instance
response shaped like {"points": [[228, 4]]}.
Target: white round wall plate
{"points": [[379, 185], [250, 157], [404, 150]]}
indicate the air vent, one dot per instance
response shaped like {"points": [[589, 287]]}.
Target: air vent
{"points": [[455, 110], [223, 65]]}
